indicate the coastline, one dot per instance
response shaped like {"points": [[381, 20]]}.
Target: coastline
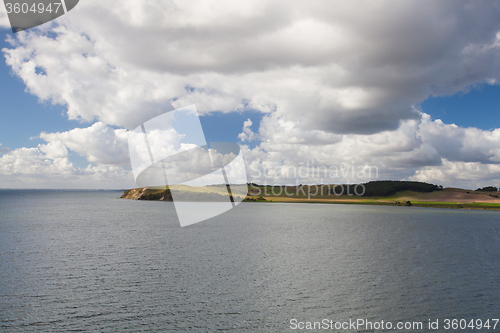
{"points": [[449, 198], [430, 204]]}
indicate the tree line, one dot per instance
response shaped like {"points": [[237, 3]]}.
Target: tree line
{"points": [[385, 188]]}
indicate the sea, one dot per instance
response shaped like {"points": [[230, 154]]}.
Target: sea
{"points": [[88, 261]]}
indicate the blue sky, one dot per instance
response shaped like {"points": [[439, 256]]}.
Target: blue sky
{"points": [[334, 90], [479, 107], [22, 116]]}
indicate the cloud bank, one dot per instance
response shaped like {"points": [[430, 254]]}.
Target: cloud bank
{"points": [[337, 85]]}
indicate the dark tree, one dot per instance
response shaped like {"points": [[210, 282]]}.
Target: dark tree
{"points": [[389, 187], [488, 189]]}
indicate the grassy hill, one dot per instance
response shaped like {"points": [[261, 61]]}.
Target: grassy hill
{"points": [[396, 193], [213, 193]]}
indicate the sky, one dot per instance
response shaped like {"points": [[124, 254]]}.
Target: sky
{"points": [[407, 89]]}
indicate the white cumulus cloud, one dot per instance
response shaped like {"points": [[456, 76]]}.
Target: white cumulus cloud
{"points": [[247, 134]]}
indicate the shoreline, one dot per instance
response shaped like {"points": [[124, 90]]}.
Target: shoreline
{"points": [[448, 198], [450, 205]]}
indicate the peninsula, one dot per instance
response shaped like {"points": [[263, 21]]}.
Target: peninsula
{"points": [[392, 193]]}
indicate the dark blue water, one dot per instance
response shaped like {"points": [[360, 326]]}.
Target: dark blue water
{"points": [[87, 261]]}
